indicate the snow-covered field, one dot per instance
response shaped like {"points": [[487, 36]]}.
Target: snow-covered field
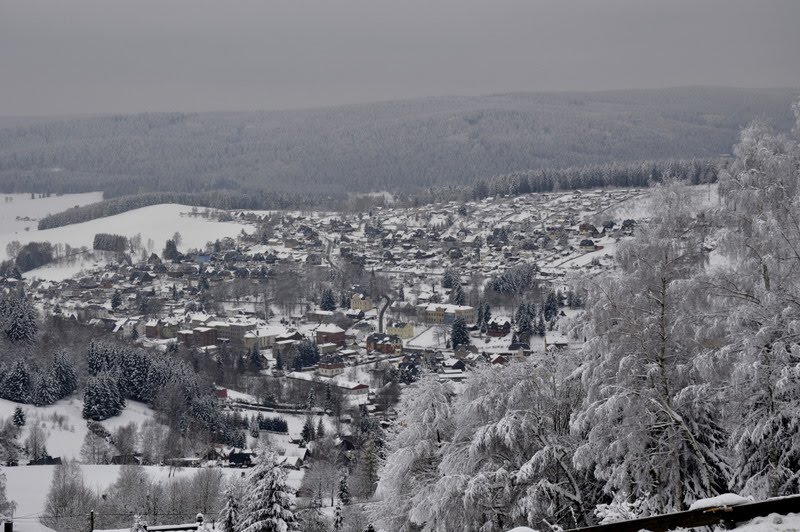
{"points": [[156, 223], [13, 206], [64, 425]]}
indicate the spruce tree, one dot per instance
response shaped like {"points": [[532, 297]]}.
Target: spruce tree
{"points": [[18, 318], [457, 296], [458, 333], [343, 493], [450, 279], [320, 428], [19, 417], [64, 375], [102, 398], [540, 327], [487, 316], [17, 384], [269, 504], [327, 301], [308, 430]]}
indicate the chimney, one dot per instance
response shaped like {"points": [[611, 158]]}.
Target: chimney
{"points": [[8, 526]]}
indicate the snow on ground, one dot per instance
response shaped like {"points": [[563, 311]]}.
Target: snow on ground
{"points": [[771, 523], [58, 271], [156, 223], [22, 206], [64, 425]]}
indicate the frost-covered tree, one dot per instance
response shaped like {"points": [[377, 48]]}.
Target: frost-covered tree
{"points": [[408, 477], [95, 449], [231, 514], [6, 506], [69, 499], [759, 290], [649, 416], [36, 442], [269, 504], [509, 461]]}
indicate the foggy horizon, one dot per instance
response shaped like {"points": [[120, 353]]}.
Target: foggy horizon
{"points": [[88, 57]]}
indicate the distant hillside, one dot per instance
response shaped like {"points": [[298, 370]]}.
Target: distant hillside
{"points": [[396, 146]]}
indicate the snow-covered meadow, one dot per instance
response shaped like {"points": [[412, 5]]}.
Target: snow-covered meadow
{"points": [[19, 214], [155, 224], [64, 426]]}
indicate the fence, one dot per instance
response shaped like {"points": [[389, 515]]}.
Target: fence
{"points": [[727, 515]]}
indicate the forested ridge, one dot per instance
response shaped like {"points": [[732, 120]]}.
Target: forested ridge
{"points": [[403, 146]]}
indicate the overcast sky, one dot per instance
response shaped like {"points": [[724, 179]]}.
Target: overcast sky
{"points": [[80, 56]]}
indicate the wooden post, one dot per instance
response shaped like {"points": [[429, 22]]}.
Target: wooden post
{"points": [[91, 521]]}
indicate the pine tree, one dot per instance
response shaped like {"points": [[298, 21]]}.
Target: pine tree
{"points": [[458, 333], [269, 504], [327, 301], [487, 316], [343, 494], [320, 428], [401, 294], [19, 417]]}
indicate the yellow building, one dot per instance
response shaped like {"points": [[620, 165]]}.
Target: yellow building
{"points": [[361, 302], [402, 329]]}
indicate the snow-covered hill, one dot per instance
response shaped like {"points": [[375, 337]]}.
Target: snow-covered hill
{"points": [[64, 425], [156, 223]]}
